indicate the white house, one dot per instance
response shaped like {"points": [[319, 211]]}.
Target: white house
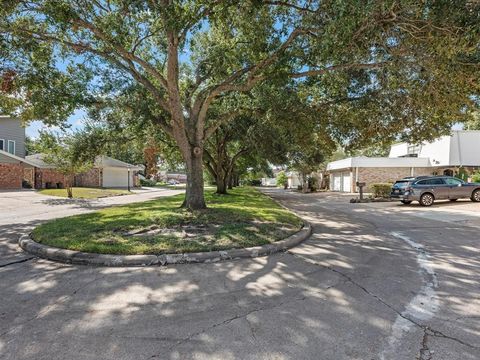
{"points": [[443, 156], [293, 180]]}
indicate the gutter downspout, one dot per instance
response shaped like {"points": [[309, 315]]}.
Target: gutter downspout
{"points": [[459, 149], [356, 178]]}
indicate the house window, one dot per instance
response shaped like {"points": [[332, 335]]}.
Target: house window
{"points": [[11, 147], [413, 150], [2, 144]]}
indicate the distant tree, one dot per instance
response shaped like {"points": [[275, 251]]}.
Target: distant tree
{"points": [[388, 67], [65, 154], [282, 179], [474, 123], [30, 146]]}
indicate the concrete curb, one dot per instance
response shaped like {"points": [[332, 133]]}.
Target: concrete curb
{"points": [[83, 258]]}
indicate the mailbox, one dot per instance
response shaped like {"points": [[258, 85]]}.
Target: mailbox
{"points": [[360, 186]]}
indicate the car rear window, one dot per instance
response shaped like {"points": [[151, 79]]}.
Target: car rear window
{"points": [[401, 184]]}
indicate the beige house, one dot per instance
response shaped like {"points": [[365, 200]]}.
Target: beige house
{"points": [[447, 155], [345, 173]]}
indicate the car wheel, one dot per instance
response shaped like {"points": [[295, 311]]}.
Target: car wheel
{"points": [[427, 199], [406, 202], [476, 195], [453, 199]]}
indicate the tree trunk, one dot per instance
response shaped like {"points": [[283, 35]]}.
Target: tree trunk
{"points": [[221, 185], [304, 183], [68, 186], [230, 182], [194, 199]]}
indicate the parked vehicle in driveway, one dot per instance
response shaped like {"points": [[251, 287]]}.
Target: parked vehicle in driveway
{"points": [[427, 189]]}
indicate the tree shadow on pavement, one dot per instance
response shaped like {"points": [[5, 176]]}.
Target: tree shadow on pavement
{"points": [[307, 303]]}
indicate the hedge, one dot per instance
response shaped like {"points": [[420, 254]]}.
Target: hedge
{"points": [[476, 177], [381, 190]]}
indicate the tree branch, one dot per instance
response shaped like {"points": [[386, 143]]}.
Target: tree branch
{"points": [[337, 67], [122, 51]]}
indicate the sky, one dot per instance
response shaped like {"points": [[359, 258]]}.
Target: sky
{"points": [[75, 120]]}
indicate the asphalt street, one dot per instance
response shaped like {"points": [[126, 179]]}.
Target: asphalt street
{"points": [[375, 281]]}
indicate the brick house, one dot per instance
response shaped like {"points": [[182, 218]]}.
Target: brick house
{"points": [[16, 169], [106, 172], [448, 155]]}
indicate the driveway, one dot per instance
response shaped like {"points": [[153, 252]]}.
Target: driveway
{"points": [[375, 281]]}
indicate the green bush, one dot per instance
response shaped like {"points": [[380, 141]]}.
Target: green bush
{"points": [[282, 179], [254, 182], [381, 190], [313, 184], [476, 177], [147, 182]]}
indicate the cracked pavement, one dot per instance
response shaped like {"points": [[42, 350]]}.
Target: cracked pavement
{"points": [[352, 291]]}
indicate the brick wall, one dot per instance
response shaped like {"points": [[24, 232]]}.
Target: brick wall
{"points": [[11, 176], [91, 178], [44, 176], [388, 175], [423, 171]]}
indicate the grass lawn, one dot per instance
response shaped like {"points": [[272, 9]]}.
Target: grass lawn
{"points": [[85, 193], [243, 218]]}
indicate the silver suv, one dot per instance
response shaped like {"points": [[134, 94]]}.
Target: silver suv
{"points": [[427, 189]]}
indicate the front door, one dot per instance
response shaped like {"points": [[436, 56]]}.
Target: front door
{"points": [[38, 179]]}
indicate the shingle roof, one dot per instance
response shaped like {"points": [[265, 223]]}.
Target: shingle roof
{"points": [[100, 162]]}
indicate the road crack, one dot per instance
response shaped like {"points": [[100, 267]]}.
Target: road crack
{"points": [[236, 317], [51, 306], [17, 262], [425, 353], [425, 328]]}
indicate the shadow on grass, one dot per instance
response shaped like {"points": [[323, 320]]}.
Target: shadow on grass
{"points": [[243, 218]]}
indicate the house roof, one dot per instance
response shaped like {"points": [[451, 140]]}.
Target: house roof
{"points": [[17, 158], [106, 161], [371, 162], [100, 162], [37, 161]]}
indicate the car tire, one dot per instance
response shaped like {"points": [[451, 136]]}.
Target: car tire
{"points": [[427, 199], [406, 202], [452, 200], [476, 196]]}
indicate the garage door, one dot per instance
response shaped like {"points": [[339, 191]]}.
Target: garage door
{"points": [[116, 177], [337, 182], [346, 182]]}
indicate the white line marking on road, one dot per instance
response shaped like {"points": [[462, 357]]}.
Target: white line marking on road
{"points": [[422, 307]]}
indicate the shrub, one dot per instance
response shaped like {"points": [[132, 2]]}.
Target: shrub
{"points": [[26, 184], [476, 177], [381, 190], [147, 182], [254, 182], [313, 183], [282, 179]]}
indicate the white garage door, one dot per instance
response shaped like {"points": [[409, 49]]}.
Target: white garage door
{"points": [[346, 183], [116, 177], [337, 182]]}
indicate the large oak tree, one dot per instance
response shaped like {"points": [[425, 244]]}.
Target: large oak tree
{"points": [[188, 54]]}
